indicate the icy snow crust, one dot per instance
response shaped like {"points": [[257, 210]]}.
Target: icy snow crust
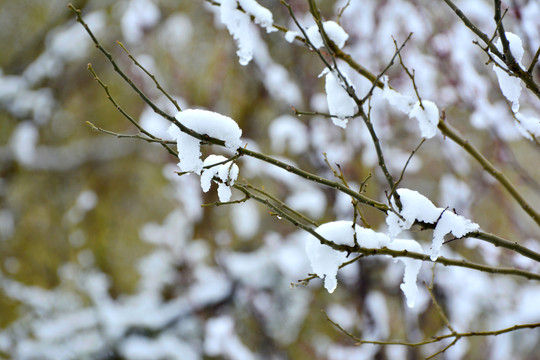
{"points": [[325, 261], [207, 123], [415, 206]]}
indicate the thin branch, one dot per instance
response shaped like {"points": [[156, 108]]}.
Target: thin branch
{"points": [[437, 338], [312, 113], [219, 203], [342, 10], [315, 178], [534, 61], [350, 90], [132, 136], [411, 75], [444, 349], [510, 245], [126, 78], [284, 206], [125, 114], [448, 131], [473, 28], [506, 56], [388, 66], [158, 85], [356, 209], [310, 277], [203, 137], [383, 251], [438, 307], [405, 168]]}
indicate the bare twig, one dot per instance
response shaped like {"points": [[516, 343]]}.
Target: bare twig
{"points": [[405, 167], [158, 85], [451, 133]]}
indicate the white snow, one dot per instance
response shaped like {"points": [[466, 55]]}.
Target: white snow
{"points": [[340, 104], [227, 173], [510, 85], [403, 103], [221, 339], [418, 207], [245, 219], [165, 346], [275, 76], [428, 117], [7, 224], [309, 200], [238, 23], [71, 42], [154, 123], [140, 16], [332, 30], [86, 200], [23, 142], [291, 35], [288, 131], [528, 126], [325, 261], [262, 16], [347, 318], [207, 123], [176, 32], [455, 193]]}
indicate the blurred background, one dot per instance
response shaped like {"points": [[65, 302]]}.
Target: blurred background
{"points": [[106, 253]]}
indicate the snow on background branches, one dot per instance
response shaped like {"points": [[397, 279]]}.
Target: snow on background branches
{"points": [[327, 160]]}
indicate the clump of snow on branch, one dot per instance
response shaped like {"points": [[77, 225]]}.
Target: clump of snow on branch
{"points": [[291, 35], [416, 207], [529, 127], [326, 261], [206, 123], [332, 30], [227, 172], [238, 23], [261, 15], [427, 112], [510, 85], [403, 103], [340, 104]]}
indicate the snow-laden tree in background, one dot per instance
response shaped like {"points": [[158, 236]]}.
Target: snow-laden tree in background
{"points": [[317, 145]]}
